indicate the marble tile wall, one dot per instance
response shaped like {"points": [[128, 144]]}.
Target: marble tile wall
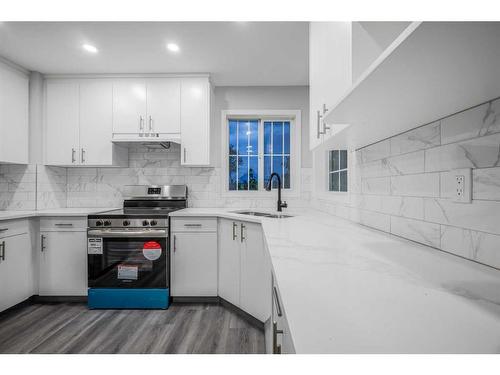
{"points": [[103, 187], [403, 185]]}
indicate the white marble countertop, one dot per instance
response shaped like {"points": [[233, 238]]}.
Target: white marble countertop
{"points": [[346, 288], [11, 215]]}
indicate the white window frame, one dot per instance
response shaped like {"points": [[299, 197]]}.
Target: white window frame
{"points": [[328, 173], [294, 116]]}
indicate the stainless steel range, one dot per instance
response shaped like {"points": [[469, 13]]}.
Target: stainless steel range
{"points": [[128, 249]]}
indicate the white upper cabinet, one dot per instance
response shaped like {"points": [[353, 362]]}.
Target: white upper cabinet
{"points": [[14, 97], [195, 121], [62, 123], [164, 106], [145, 109], [329, 73], [79, 123], [129, 107]]}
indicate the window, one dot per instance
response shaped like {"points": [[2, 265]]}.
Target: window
{"points": [[337, 170], [258, 146]]}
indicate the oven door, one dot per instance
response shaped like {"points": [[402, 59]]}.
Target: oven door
{"points": [[127, 258]]}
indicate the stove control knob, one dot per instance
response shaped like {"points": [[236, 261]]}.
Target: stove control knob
{"points": [[126, 223], [107, 223], [153, 223], [145, 223], [98, 223]]}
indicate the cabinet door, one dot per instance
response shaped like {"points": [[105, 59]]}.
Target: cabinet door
{"points": [[13, 116], [96, 123], [195, 121], [164, 106], [194, 264], [62, 123], [63, 264], [255, 276], [229, 261], [129, 107], [16, 271]]}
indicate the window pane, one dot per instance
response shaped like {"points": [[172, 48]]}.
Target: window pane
{"points": [[343, 159], [232, 172], [253, 173], [286, 130], [243, 173], [278, 168], [242, 137], [334, 160], [334, 181], [254, 137], [277, 137], [267, 170], [286, 181], [343, 181], [233, 128], [267, 137]]}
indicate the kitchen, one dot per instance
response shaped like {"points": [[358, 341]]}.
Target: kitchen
{"points": [[236, 187]]}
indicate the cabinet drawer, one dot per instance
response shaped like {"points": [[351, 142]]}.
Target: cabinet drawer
{"points": [[13, 227], [78, 223], [194, 224]]}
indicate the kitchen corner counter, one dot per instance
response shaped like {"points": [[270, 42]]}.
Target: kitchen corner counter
{"points": [[346, 288], [11, 215]]}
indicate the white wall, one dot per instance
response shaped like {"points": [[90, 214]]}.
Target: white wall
{"points": [[283, 97]]}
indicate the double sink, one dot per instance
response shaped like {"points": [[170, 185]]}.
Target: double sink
{"points": [[263, 214]]}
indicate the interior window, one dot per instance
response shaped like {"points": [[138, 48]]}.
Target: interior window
{"points": [[337, 170], [252, 140]]}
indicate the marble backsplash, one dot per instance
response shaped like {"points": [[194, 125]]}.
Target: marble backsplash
{"points": [[40, 187], [403, 185]]}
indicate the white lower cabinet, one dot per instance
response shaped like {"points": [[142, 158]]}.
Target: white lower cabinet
{"points": [[278, 331], [244, 276], [194, 259], [16, 269], [63, 259]]}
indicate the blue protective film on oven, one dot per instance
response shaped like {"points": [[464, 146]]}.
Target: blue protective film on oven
{"points": [[116, 298]]}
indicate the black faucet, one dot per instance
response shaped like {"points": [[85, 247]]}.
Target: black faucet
{"points": [[268, 188]]}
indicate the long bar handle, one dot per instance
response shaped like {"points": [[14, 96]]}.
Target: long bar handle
{"points": [[318, 124], [83, 155], [73, 155], [277, 302], [241, 232], [184, 154], [234, 230], [63, 224], [276, 332], [4, 229], [175, 243], [42, 243], [192, 225], [141, 124], [150, 124], [2, 255]]}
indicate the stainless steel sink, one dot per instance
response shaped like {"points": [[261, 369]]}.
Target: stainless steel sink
{"points": [[264, 214]]}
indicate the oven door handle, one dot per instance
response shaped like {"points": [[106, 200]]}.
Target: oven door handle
{"points": [[152, 233]]}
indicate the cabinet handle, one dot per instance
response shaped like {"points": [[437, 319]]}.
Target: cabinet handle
{"points": [[150, 124], [141, 124], [325, 127], [4, 229], [318, 124], [63, 224], [241, 232], [2, 246], [234, 230], [83, 155], [277, 301], [42, 243], [276, 332], [73, 153], [184, 154], [192, 225], [175, 243]]}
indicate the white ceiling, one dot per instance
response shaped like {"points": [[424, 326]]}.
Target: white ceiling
{"points": [[234, 53]]}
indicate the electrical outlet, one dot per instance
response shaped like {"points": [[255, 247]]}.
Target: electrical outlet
{"points": [[463, 185]]}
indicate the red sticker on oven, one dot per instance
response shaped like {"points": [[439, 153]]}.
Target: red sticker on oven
{"points": [[151, 250]]}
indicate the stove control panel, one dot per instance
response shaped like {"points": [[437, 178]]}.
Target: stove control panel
{"points": [[140, 222]]}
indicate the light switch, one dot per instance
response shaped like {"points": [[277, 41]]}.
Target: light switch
{"points": [[462, 179]]}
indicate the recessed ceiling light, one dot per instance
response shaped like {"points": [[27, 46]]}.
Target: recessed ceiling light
{"points": [[90, 48], [173, 47]]}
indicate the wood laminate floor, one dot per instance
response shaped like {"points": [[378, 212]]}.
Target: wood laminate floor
{"points": [[72, 328]]}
